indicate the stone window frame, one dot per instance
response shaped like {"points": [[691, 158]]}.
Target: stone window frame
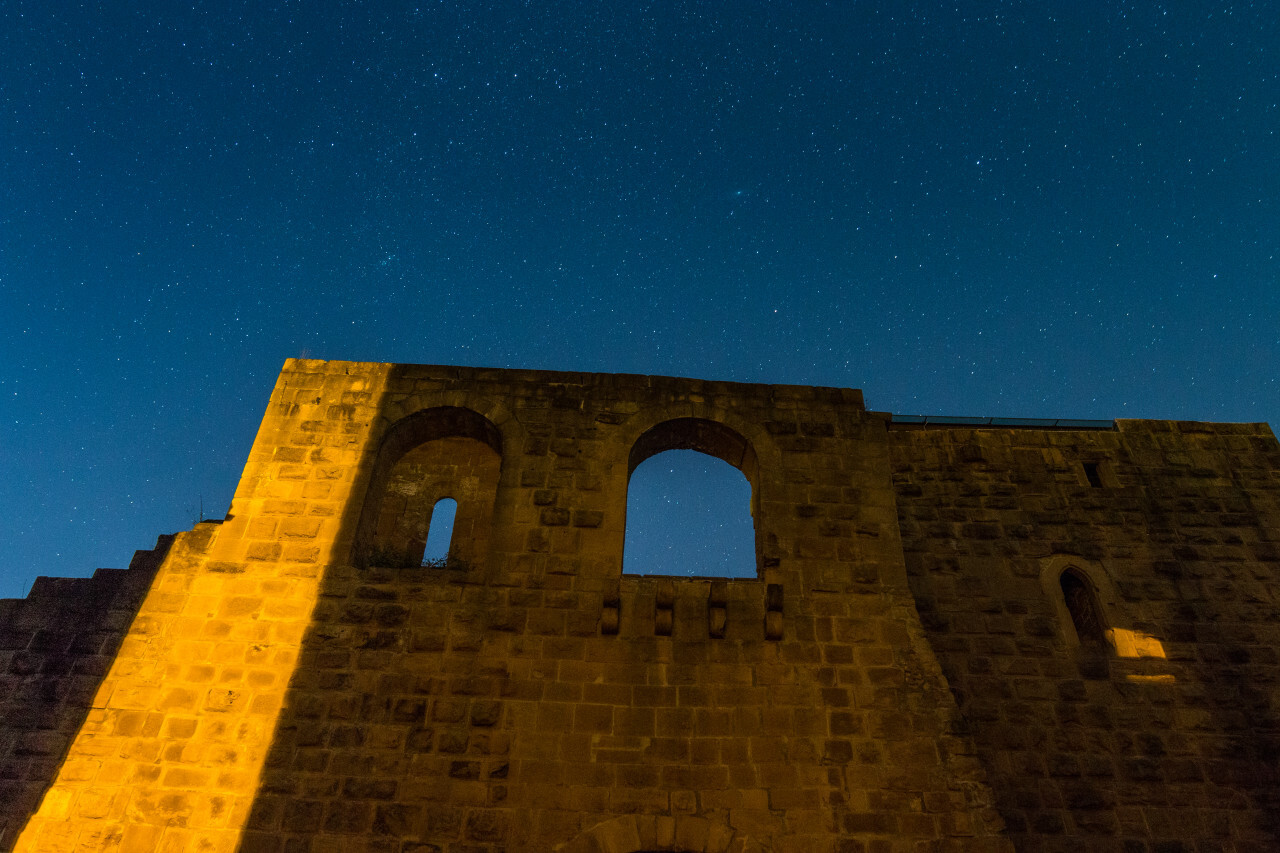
{"points": [[714, 438], [1102, 470], [1095, 576], [404, 435]]}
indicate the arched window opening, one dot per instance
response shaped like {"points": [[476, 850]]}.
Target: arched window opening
{"points": [[689, 514], [456, 478], [437, 473], [1082, 605], [440, 533]]}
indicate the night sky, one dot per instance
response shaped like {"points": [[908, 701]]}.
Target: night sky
{"points": [[1063, 209]]}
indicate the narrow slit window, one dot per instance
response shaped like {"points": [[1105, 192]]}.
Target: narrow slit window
{"points": [[1083, 607], [1092, 475], [689, 514], [440, 533]]}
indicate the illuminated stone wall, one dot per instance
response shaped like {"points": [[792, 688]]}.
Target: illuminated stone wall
{"points": [[294, 680], [171, 751]]}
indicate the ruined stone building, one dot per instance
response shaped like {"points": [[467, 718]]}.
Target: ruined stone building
{"points": [[963, 636]]}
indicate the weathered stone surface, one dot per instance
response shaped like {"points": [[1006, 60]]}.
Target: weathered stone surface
{"points": [[906, 672], [1176, 538], [58, 643]]}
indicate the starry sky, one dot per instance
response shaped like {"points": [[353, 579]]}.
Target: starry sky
{"points": [[1039, 209]]}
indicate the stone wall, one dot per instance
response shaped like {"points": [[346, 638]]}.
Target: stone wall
{"points": [[170, 754], [278, 693], [903, 674], [535, 699], [1166, 738], [55, 647]]}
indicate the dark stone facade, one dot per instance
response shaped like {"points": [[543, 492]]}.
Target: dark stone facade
{"points": [[960, 638]]}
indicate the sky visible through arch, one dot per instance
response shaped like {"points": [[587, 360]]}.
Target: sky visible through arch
{"points": [[689, 513], [1015, 209]]}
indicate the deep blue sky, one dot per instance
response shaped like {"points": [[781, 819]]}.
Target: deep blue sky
{"points": [[1063, 209]]}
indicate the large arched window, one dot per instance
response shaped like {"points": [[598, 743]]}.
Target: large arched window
{"points": [[433, 455], [690, 502], [689, 514]]}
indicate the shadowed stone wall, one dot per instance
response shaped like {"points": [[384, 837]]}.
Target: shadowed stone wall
{"points": [[55, 647], [1166, 737], [294, 681], [526, 700]]}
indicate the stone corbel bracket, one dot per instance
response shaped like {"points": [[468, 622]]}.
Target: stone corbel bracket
{"points": [[664, 606], [773, 612], [716, 612], [611, 611]]}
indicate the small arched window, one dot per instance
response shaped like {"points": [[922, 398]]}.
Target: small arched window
{"points": [[1082, 605], [440, 532], [436, 476]]}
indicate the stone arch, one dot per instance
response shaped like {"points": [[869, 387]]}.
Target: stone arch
{"points": [[766, 455], [463, 449], [400, 409], [1093, 580], [706, 436], [650, 833], [712, 438], [436, 422], [701, 426]]}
